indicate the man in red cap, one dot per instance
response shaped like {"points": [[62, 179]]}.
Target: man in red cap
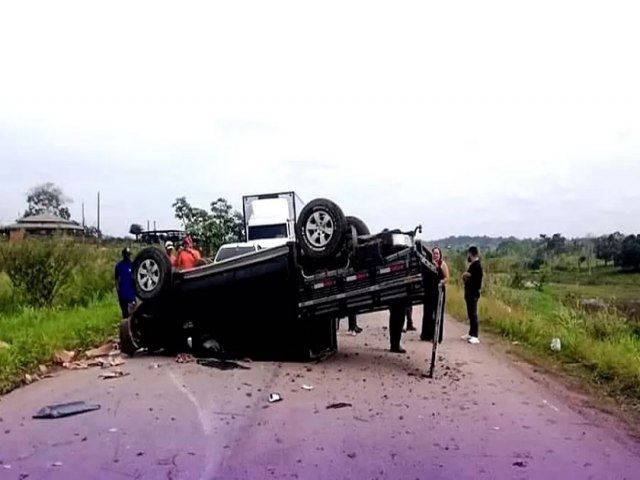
{"points": [[188, 257]]}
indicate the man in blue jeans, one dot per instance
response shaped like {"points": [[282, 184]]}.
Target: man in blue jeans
{"points": [[124, 282]]}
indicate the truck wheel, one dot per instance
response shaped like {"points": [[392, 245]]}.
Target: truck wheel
{"points": [[151, 272], [359, 225], [321, 229], [128, 343]]}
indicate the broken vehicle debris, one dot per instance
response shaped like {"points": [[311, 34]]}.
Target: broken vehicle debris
{"points": [[222, 364], [65, 410]]}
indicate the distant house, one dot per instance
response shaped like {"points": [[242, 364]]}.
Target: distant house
{"points": [[41, 225]]}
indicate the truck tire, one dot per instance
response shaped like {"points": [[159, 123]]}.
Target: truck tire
{"points": [[151, 273], [321, 229], [359, 225], [128, 343]]}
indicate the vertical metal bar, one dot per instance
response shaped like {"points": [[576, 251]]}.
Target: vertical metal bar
{"points": [[436, 334]]}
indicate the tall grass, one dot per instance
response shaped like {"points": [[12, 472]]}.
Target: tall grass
{"points": [[34, 335], [53, 295], [604, 345]]}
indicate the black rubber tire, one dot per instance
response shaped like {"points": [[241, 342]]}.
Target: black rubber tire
{"points": [[157, 259], [329, 212], [128, 344], [359, 225]]}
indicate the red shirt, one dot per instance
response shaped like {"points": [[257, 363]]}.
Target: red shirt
{"points": [[187, 259]]}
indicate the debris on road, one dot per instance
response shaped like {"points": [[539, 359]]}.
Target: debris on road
{"points": [[65, 410], [113, 374], [556, 345], [79, 365], [63, 356], [351, 455], [154, 366], [104, 351], [520, 464], [274, 397], [307, 387], [56, 464], [113, 430], [335, 406], [222, 364], [185, 358]]}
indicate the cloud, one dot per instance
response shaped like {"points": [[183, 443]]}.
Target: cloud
{"points": [[494, 118]]}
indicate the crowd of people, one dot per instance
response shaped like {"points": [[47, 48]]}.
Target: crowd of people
{"points": [[398, 315]]}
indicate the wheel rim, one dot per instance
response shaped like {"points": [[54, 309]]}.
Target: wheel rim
{"points": [[148, 275], [319, 229]]}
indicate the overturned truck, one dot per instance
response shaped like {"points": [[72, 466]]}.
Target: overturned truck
{"points": [[282, 301]]}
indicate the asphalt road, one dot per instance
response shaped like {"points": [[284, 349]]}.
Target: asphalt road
{"points": [[483, 417]]}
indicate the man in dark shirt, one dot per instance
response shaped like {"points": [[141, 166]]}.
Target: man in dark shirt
{"points": [[472, 286], [124, 282]]}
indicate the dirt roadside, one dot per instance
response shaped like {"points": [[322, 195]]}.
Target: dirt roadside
{"points": [[482, 418]]}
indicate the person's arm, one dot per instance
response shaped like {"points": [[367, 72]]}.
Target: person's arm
{"points": [[116, 278], [445, 272]]}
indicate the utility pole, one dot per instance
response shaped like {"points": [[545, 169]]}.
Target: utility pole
{"points": [[99, 233], [84, 228], [154, 225], [148, 226]]}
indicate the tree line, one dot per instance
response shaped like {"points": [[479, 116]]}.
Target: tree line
{"points": [[615, 248]]}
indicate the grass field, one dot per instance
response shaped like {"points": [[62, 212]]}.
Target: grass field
{"points": [[34, 335], [600, 348]]}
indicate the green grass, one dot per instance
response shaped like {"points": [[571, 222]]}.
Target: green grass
{"points": [[602, 349], [34, 336]]}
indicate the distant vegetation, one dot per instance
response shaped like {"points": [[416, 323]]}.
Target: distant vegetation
{"points": [[584, 291]]}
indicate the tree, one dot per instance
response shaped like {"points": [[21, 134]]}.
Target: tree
{"points": [[135, 229], [608, 247], [47, 198], [212, 229], [630, 252]]}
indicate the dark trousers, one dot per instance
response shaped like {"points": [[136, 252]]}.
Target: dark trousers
{"points": [[353, 322], [472, 313], [409, 315], [396, 322], [429, 316], [124, 307]]}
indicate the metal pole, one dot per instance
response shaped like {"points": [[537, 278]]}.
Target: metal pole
{"points": [[99, 233], [438, 326]]}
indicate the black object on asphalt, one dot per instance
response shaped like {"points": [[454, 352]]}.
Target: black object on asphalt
{"points": [[335, 406], [221, 364], [66, 410]]}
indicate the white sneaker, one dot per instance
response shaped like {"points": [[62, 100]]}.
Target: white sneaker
{"points": [[474, 340], [466, 337], [352, 333]]}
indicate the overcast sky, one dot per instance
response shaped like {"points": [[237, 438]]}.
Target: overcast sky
{"points": [[487, 117]]}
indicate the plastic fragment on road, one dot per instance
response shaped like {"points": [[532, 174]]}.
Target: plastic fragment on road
{"points": [[308, 388], [65, 410], [520, 464], [113, 374], [335, 406], [222, 364], [56, 464], [556, 345], [275, 397], [113, 430]]}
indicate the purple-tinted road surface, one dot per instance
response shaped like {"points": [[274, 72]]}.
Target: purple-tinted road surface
{"points": [[483, 417]]}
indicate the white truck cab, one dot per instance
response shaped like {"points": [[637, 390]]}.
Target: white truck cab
{"points": [[270, 219]]}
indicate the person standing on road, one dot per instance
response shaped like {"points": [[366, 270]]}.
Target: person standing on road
{"points": [[124, 283], [431, 305], [396, 322], [472, 286], [409, 315]]}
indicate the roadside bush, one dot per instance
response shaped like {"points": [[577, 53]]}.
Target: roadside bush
{"points": [[38, 270]]}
